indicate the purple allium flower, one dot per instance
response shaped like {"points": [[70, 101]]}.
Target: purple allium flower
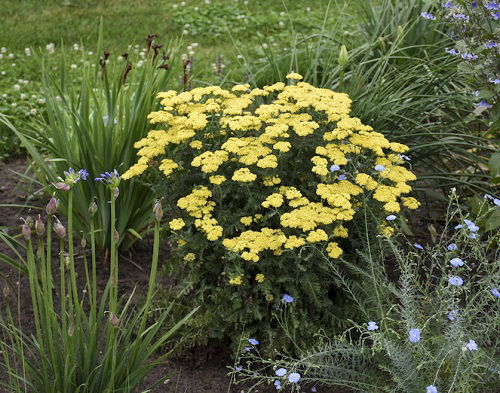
{"points": [[474, 4], [372, 326], [491, 44], [452, 315], [253, 341], [495, 15], [414, 335], [379, 168], [456, 262], [468, 56], [494, 81], [448, 4], [418, 246], [431, 389], [452, 247], [391, 217], [455, 280], [281, 372], [471, 345], [313, 389], [495, 292], [83, 174], [342, 177], [287, 298], [452, 51], [334, 168], [294, 377], [426, 15]]}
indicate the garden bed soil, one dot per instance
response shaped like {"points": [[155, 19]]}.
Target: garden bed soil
{"points": [[200, 370]]}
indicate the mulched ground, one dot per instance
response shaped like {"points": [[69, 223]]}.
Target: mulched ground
{"points": [[200, 370]]}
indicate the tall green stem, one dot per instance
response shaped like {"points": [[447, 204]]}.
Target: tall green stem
{"points": [[113, 290], [152, 276]]}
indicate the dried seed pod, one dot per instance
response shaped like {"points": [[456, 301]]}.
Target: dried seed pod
{"points": [[59, 229], [39, 226], [52, 206], [158, 210]]}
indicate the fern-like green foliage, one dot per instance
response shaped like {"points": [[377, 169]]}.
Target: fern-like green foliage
{"points": [[408, 287]]}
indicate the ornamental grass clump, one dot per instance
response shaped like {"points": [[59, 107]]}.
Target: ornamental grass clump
{"points": [[263, 184]]}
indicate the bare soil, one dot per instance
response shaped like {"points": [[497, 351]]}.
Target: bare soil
{"points": [[200, 370]]}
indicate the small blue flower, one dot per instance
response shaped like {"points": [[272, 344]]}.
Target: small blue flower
{"points": [[277, 385], [494, 81], [281, 372], [468, 56], [403, 157], [460, 17], [238, 368], [334, 168], [418, 246], [452, 247], [473, 228], [448, 4], [458, 226], [452, 51], [431, 389], [488, 196], [392, 217], [313, 389], [491, 44], [253, 341], [492, 6], [471, 345], [495, 292], [474, 4], [83, 174], [484, 104], [452, 315], [379, 168], [456, 262], [473, 236], [342, 177], [414, 335], [287, 298], [426, 15], [294, 377], [372, 326], [455, 280], [496, 201], [247, 349], [495, 15]]}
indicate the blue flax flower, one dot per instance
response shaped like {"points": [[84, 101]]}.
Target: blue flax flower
{"points": [[492, 6], [452, 315], [484, 104], [448, 4], [495, 292], [456, 262], [414, 335], [379, 168], [392, 217], [281, 372], [471, 345], [418, 246], [460, 17], [452, 247], [342, 177], [372, 326], [455, 280], [253, 341], [294, 377], [277, 384], [287, 298], [431, 389], [334, 168]]}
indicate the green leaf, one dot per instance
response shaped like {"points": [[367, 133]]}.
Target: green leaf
{"points": [[134, 232], [493, 221], [494, 164]]}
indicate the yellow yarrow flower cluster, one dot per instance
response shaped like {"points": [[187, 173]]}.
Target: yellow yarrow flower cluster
{"points": [[298, 161]]}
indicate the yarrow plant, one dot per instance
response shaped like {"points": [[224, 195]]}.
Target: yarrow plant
{"points": [[263, 184]]}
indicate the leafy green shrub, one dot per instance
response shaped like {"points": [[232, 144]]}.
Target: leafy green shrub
{"points": [[81, 342], [262, 185], [92, 122], [432, 328]]}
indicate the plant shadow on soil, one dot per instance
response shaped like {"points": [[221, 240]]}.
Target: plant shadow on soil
{"points": [[192, 371]]}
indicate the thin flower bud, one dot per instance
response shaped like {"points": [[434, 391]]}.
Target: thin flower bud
{"points": [[83, 242], [6, 291], [26, 231], [116, 236], [29, 221], [113, 319], [59, 229], [61, 186], [66, 261], [71, 329], [93, 209], [52, 206], [116, 192], [157, 210], [343, 56], [39, 226]]}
